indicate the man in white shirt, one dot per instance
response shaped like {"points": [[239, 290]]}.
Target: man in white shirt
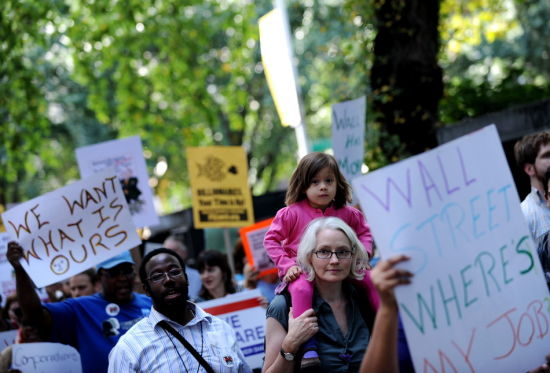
{"points": [[532, 154], [150, 345]]}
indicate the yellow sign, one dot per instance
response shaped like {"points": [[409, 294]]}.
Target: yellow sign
{"points": [[219, 187], [2, 228]]}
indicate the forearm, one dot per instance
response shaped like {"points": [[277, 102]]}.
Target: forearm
{"points": [[280, 364], [381, 355], [29, 300]]}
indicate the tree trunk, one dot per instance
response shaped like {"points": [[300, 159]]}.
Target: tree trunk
{"points": [[406, 79]]}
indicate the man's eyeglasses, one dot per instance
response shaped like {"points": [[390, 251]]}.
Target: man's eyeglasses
{"points": [[172, 274], [119, 271], [327, 254]]}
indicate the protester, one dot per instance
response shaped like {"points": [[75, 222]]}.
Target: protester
{"points": [[317, 188], [330, 254], [216, 276], [85, 283], [532, 154], [91, 324], [153, 344], [29, 333], [173, 243], [58, 292], [266, 284], [12, 311], [543, 242]]}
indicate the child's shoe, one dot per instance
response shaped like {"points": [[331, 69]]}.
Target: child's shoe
{"points": [[310, 362]]}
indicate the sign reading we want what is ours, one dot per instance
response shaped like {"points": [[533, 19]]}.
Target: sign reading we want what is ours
{"points": [[478, 301], [73, 228]]}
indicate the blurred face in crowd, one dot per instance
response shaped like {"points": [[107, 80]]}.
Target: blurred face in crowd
{"points": [[81, 285], [542, 163], [118, 282], [212, 278]]}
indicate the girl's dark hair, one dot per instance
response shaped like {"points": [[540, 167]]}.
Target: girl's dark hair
{"points": [[308, 167], [213, 258], [147, 258]]}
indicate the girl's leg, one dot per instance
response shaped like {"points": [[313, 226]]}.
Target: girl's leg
{"points": [[368, 287], [301, 293]]}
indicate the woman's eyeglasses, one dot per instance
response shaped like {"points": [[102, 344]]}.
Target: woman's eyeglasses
{"points": [[327, 254], [160, 276]]}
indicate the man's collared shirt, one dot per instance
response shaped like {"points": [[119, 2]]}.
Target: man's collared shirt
{"points": [[147, 347], [536, 213]]}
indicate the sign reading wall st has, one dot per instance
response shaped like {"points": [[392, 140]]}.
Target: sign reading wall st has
{"points": [[478, 301], [219, 185]]}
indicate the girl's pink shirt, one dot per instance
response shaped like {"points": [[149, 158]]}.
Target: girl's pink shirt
{"points": [[282, 239]]}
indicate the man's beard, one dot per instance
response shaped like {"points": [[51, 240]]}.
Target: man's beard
{"points": [[165, 306]]}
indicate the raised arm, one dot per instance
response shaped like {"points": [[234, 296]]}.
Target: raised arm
{"points": [[26, 293], [381, 354]]}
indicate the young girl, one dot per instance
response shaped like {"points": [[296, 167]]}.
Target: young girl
{"points": [[317, 189]]}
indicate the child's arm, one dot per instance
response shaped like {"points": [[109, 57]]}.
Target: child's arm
{"points": [[278, 232], [361, 228], [292, 274]]}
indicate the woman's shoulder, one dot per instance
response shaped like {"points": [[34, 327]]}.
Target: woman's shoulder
{"points": [[279, 309]]}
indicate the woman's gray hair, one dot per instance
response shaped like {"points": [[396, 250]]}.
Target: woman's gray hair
{"points": [[308, 245]]}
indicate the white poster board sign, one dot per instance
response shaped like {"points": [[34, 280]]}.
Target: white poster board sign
{"points": [[73, 228], [44, 357], [348, 136], [126, 156], [7, 338], [7, 279], [478, 301], [243, 312]]}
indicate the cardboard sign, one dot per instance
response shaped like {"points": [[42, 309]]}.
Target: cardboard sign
{"points": [[126, 156], [478, 301], [7, 279], [45, 357], [243, 312], [219, 186], [252, 238], [73, 228], [7, 338], [348, 136]]}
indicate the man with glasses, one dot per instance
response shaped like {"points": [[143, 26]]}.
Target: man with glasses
{"points": [[177, 336], [91, 324]]}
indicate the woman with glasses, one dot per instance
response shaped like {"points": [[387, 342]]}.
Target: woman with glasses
{"points": [[330, 254]]}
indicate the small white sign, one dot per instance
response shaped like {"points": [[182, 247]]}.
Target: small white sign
{"points": [[44, 357], [243, 312], [348, 136], [7, 338], [7, 279], [126, 157], [73, 228]]}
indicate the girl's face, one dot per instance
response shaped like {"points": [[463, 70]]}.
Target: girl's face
{"points": [[212, 277], [322, 189]]}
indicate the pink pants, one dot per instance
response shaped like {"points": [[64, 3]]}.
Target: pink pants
{"points": [[301, 291]]}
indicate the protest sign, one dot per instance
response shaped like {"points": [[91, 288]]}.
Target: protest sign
{"points": [[243, 312], [126, 156], [44, 357], [7, 338], [348, 136], [478, 300], [219, 186], [73, 228], [7, 279], [252, 238]]}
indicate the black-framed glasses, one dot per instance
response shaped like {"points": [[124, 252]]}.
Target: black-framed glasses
{"points": [[172, 274], [126, 271], [327, 254]]}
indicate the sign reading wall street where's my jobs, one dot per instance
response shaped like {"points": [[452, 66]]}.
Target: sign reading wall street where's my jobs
{"points": [[73, 228], [126, 156], [348, 136], [243, 312], [44, 357], [219, 186], [478, 300]]}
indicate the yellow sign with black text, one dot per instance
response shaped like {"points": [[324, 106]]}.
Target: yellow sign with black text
{"points": [[219, 186]]}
